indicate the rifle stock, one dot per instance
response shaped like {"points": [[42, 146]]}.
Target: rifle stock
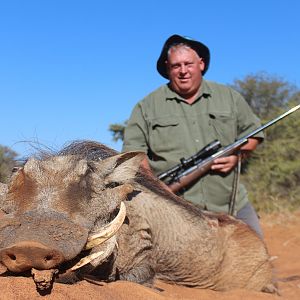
{"points": [[191, 174]]}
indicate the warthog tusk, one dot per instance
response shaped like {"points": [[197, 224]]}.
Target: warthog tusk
{"points": [[108, 230], [97, 256], [106, 233], [86, 260]]}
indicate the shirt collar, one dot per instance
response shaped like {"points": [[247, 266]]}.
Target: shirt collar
{"points": [[204, 91]]}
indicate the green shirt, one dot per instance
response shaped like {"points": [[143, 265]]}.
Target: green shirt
{"points": [[167, 128]]}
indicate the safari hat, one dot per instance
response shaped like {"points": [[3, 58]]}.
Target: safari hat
{"points": [[200, 48]]}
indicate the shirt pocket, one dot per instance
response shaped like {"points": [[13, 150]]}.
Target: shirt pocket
{"points": [[224, 125], [164, 135]]}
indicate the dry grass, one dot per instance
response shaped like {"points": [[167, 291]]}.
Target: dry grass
{"points": [[284, 218]]}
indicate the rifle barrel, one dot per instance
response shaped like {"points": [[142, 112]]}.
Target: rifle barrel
{"points": [[268, 124]]}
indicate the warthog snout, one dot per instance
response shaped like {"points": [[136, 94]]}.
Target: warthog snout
{"points": [[26, 255]]}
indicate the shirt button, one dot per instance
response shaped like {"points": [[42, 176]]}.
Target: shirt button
{"points": [[197, 141]]}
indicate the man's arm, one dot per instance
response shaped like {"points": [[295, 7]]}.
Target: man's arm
{"points": [[247, 121], [226, 164], [135, 134]]}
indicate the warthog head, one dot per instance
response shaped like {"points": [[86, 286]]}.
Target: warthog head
{"points": [[63, 212]]}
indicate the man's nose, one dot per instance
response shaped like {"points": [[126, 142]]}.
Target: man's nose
{"points": [[183, 69]]}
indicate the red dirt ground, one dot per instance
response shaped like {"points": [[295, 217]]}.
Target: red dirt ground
{"points": [[282, 235]]}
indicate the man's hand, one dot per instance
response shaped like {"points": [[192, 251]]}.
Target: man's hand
{"points": [[224, 164]]}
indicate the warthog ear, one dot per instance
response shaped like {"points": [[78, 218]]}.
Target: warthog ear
{"points": [[121, 167]]}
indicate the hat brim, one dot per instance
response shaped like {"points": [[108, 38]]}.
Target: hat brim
{"points": [[199, 47]]}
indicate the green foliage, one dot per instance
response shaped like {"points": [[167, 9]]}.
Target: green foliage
{"points": [[117, 131], [7, 162], [265, 93], [273, 174]]}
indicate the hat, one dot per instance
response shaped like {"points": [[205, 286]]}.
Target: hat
{"points": [[200, 48]]}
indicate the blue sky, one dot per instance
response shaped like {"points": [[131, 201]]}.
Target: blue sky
{"points": [[69, 69]]}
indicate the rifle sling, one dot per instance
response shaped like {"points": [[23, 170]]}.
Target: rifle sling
{"points": [[235, 187]]}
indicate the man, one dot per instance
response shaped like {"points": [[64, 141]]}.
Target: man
{"points": [[187, 113]]}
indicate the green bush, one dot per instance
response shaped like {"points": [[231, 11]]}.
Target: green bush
{"points": [[273, 174], [7, 162]]}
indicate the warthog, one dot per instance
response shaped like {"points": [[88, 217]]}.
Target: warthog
{"points": [[90, 211]]}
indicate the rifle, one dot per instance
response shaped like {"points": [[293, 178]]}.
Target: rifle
{"points": [[194, 167]]}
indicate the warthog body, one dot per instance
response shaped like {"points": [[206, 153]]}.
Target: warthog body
{"points": [[53, 205]]}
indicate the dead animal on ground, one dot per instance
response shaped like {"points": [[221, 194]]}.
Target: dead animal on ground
{"points": [[88, 210]]}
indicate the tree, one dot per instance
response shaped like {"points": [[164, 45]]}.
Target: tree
{"points": [[117, 131], [266, 94], [7, 162], [273, 175]]}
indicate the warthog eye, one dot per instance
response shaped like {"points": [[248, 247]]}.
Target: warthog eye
{"points": [[112, 185], [133, 194]]}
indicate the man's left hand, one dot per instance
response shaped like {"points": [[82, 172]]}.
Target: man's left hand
{"points": [[224, 164]]}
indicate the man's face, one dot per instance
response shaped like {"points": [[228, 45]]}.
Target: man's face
{"points": [[185, 71]]}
